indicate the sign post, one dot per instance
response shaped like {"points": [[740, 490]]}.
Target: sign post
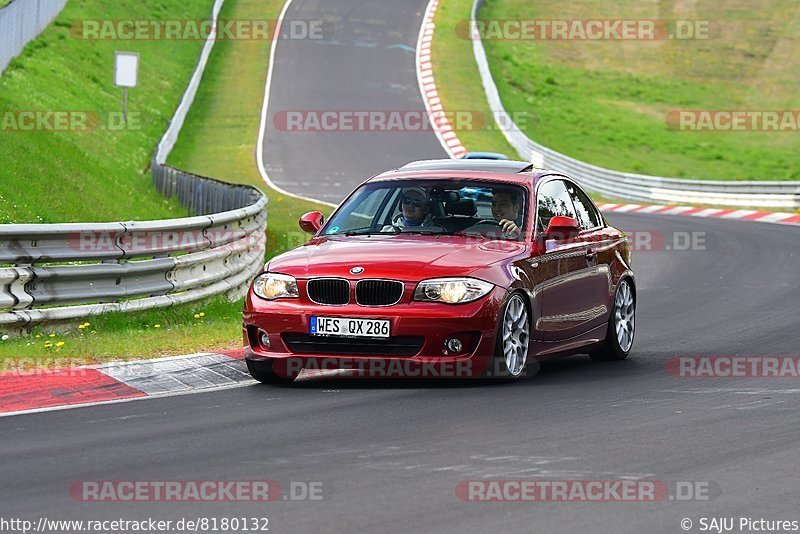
{"points": [[126, 74]]}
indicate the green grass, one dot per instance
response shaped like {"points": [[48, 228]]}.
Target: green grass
{"points": [[218, 140], [606, 102], [96, 175], [458, 80], [121, 336]]}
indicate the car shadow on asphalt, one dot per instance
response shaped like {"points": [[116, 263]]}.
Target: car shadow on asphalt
{"points": [[569, 370]]}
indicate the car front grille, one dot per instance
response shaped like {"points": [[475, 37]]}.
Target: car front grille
{"points": [[333, 291], [379, 292], [393, 346]]}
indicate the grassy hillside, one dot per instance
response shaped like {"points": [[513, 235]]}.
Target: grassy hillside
{"points": [[96, 175], [218, 140], [606, 102]]}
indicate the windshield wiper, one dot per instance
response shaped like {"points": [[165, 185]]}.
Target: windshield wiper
{"points": [[421, 232], [362, 232]]}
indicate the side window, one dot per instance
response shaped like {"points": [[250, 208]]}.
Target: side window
{"points": [[585, 211], [553, 200]]}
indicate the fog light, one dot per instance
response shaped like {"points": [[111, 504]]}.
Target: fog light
{"points": [[263, 339], [454, 345]]}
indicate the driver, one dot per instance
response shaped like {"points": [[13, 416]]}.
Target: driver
{"points": [[505, 209], [415, 210]]}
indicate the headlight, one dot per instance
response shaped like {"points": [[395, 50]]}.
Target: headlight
{"points": [[272, 286], [451, 290]]}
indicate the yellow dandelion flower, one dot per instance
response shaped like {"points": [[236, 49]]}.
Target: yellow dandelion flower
{"points": [[60, 344], [52, 335], [202, 314], [156, 326], [196, 315]]}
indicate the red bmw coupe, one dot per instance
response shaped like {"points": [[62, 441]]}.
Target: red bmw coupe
{"points": [[457, 268]]}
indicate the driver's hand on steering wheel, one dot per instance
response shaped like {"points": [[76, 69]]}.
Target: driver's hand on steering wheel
{"points": [[510, 228]]}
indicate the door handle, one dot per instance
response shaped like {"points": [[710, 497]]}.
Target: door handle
{"points": [[590, 253]]}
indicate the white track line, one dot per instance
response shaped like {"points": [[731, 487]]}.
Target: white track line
{"points": [[119, 401], [263, 128]]}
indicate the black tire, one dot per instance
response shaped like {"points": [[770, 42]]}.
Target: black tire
{"points": [[611, 349], [499, 369], [262, 371]]}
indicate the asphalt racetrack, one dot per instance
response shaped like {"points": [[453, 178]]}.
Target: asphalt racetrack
{"points": [[365, 62], [390, 453]]}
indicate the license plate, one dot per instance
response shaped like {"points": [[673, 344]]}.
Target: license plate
{"points": [[349, 327]]}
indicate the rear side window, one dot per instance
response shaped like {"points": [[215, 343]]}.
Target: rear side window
{"points": [[585, 212], [553, 200]]}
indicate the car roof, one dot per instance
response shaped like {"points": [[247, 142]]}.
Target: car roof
{"points": [[490, 165], [519, 172], [485, 155]]}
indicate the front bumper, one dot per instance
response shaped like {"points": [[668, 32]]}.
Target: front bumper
{"points": [[428, 325]]}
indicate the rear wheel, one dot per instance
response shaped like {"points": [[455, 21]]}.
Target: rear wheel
{"points": [[513, 341], [262, 371], [621, 326]]}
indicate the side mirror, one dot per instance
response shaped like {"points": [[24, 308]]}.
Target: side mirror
{"points": [[561, 228], [311, 222]]}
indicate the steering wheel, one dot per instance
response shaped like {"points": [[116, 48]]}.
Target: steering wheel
{"points": [[397, 218], [492, 222]]}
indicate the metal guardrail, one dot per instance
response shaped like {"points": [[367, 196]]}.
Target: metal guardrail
{"points": [[66, 271], [624, 185], [60, 272], [21, 21]]}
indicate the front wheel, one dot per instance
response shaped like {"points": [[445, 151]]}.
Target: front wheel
{"points": [[264, 373], [621, 326], [513, 341]]}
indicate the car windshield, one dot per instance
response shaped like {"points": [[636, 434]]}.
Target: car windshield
{"points": [[492, 210]]}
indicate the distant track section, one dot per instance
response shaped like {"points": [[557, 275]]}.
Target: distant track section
{"points": [[365, 62]]}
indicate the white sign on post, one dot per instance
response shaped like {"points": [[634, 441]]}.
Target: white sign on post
{"points": [[126, 74], [126, 69]]}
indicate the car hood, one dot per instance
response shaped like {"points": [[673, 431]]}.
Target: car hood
{"points": [[397, 257]]}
